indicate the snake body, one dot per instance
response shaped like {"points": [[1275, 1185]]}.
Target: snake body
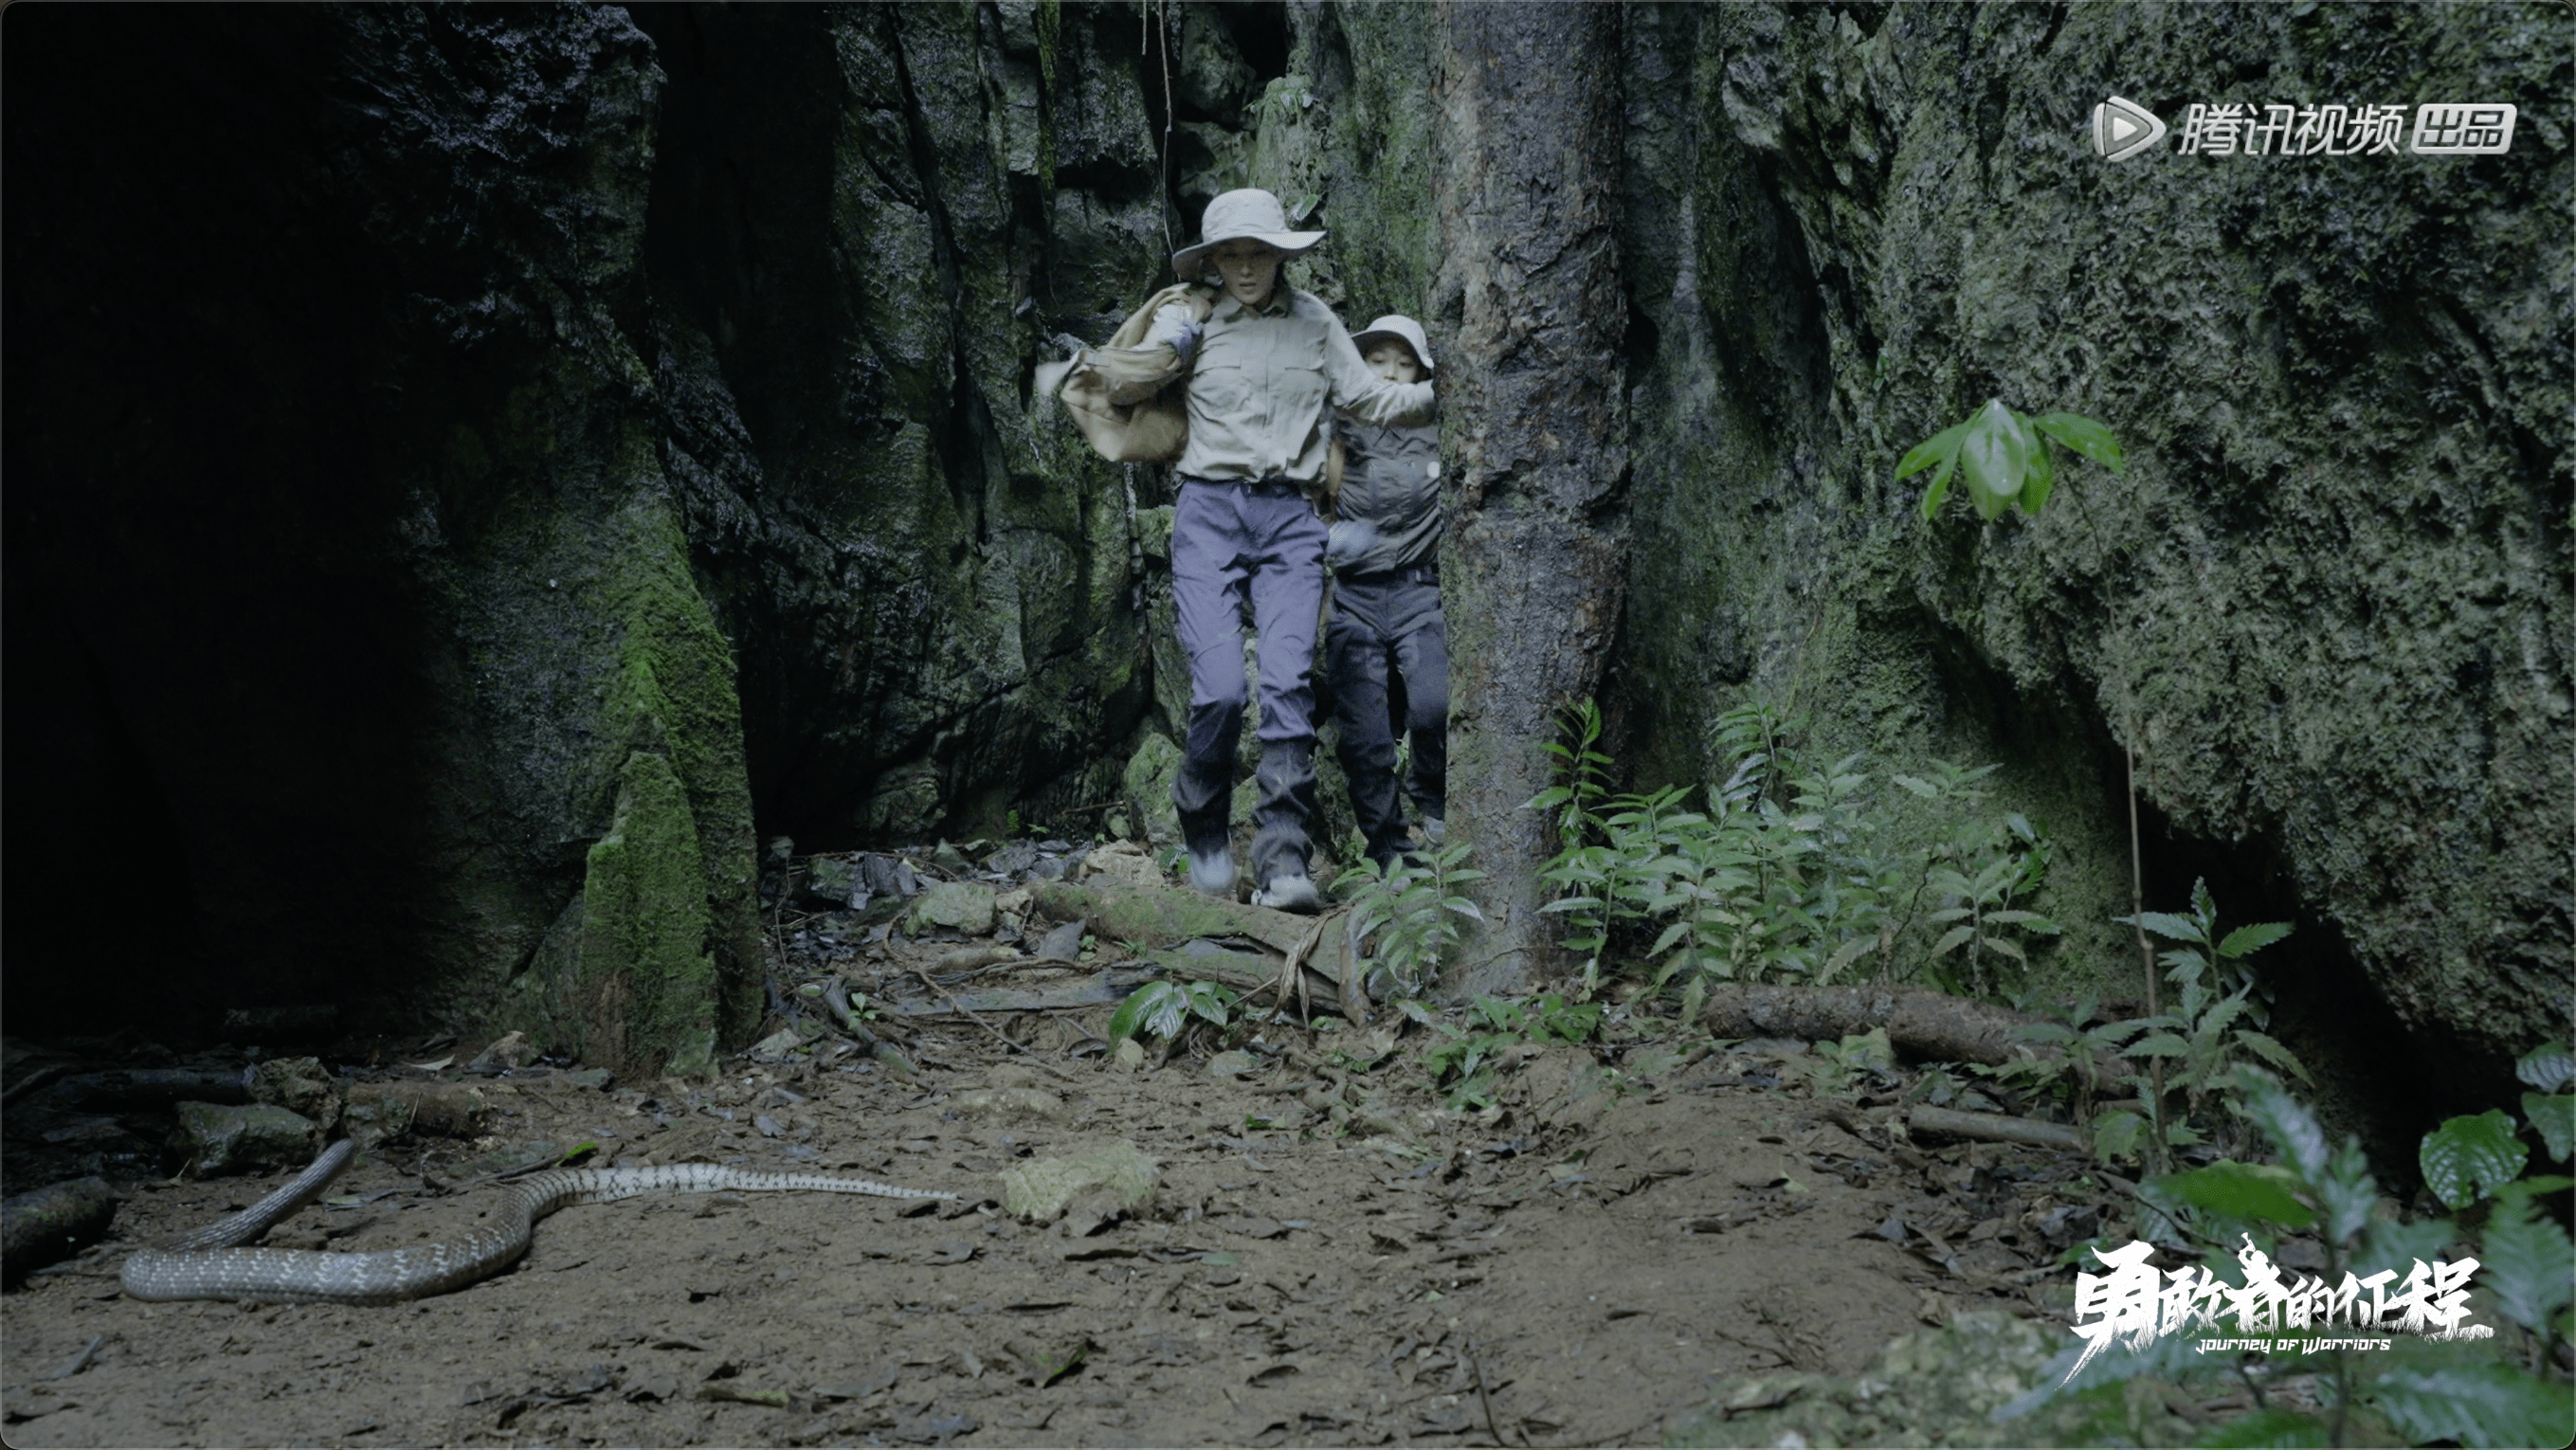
{"points": [[206, 1265]]}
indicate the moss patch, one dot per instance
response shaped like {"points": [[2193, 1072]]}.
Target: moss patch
{"points": [[647, 985]]}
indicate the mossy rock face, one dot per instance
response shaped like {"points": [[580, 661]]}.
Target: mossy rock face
{"points": [[646, 987], [2305, 635], [1116, 1177], [931, 578]]}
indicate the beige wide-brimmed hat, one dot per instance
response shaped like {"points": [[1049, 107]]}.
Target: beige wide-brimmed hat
{"points": [[1252, 213], [1396, 325]]}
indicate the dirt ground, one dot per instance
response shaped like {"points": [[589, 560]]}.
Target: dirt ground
{"points": [[1332, 1257]]}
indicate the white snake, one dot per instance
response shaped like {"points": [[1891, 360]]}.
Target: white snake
{"points": [[205, 1265]]}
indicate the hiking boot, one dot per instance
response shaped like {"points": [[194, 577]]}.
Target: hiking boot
{"points": [[1290, 893], [1212, 872], [1435, 832]]}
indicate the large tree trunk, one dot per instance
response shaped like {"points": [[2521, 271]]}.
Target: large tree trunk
{"points": [[1532, 390]]}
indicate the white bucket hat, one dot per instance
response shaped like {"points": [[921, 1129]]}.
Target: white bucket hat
{"points": [[1252, 213], [1402, 328]]}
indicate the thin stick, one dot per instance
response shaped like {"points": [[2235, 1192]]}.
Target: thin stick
{"points": [[80, 1361], [963, 1010], [1482, 1397]]}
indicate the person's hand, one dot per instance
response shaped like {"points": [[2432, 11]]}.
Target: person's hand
{"points": [[1347, 540]]}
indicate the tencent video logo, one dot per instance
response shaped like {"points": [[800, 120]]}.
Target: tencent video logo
{"points": [[2122, 129]]}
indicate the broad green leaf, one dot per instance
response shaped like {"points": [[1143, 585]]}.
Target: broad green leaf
{"points": [[2110, 1033], [1990, 460], [2526, 1260], [2008, 948], [2242, 1190], [1939, 492], [1130, 1016], [1923, 788], [2271, 1051], [2083, 435], [2161, 1044], [2478, 1403], [2291, 1127], [2253, 938], [2166, 924], [1953, 940], [2466, 1159], [2396, 1246], [1938, 448], [2555, 1117], [2042, 474], [2272, 1429], [2115, 1135], [1870, 1050], [2347, 1194], [2549, 1068], [1850, 952]]}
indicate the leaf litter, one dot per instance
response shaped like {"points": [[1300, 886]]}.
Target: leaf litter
{"points": [[1600, 1256]]}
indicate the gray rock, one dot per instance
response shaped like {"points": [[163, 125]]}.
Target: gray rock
{"points": [[959, 906], [834, 882], [215, 1138], [1064, 943], [1117, 1175]]}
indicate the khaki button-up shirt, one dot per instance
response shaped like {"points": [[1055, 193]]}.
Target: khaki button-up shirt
{"points": [[1260, 384]]}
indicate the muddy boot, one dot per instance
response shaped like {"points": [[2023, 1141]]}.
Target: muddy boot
{"points": [[1279, 844]]}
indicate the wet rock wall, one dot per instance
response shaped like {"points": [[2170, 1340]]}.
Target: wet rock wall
{"points": [[2328, 602], [417, 416]]}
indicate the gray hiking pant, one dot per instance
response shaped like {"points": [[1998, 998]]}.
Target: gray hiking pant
{"points": [[1255, 547], [1387, 635]]}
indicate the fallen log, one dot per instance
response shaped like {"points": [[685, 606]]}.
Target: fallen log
{"points": [[1095, 991], [48, 1224], [1922, 1024], [1153, 918], [1996, 1128]]}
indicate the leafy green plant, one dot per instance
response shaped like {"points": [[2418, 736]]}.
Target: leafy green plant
{"points": [[2551, 1110], [1166, 1009], [2470, 1158], [1463, 1066], [2457, 1391], [1787, 871], [1407, 917], [2081, 1050], [2202, 1042], [2003, 457]]}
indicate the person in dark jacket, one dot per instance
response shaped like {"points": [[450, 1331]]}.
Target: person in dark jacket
{"points": [[1386, 633]]}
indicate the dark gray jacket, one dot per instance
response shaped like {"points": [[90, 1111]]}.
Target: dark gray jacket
{"points": [[1391, 484]]}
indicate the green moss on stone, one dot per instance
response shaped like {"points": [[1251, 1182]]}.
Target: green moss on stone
{"points": [[674, 695], [647, 983]]}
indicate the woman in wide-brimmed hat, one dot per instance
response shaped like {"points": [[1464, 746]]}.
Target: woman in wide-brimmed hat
{"points": [[1264, 368]]}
